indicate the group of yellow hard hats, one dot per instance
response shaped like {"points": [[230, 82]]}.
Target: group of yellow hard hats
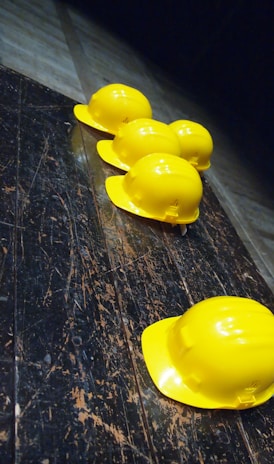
{"points": [[162, 161], [220, 352]]}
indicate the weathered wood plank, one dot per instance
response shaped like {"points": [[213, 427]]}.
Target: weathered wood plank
{"points": [[83, 280], [8, 170], [159, 273], [76, 389]]}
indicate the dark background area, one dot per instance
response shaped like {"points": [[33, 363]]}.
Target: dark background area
{"points": [[220, 53]]}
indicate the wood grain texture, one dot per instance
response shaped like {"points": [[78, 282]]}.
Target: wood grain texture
{"points": [[80, 280], [9, 119], [65, 48], [160, 274]]}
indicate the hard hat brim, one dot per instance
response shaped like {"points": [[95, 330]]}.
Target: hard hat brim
{"points": [[118, 195], [83, 115], [203, 168], [160, 365], [106, 152]]}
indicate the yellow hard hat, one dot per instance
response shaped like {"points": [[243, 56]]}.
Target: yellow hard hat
{"points": [[219, 354], [137, 139], [196, 143], [159, 186], [113, 106]]}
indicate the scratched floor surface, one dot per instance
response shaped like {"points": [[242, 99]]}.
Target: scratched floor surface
{"points": [[68, 50], [80, 280]]}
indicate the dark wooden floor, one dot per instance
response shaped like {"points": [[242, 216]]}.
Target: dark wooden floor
{"points": [[80, 280]]}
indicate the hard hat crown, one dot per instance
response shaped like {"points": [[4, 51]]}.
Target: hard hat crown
{"points": [[115, 105], [219, 354], [137, 139], [196, 142], [159, 186]]}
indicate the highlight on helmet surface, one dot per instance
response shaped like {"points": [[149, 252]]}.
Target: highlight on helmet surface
{"points": [[218, 355], [137, 139], [196, 143], [159, 186], [113, 106]]}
